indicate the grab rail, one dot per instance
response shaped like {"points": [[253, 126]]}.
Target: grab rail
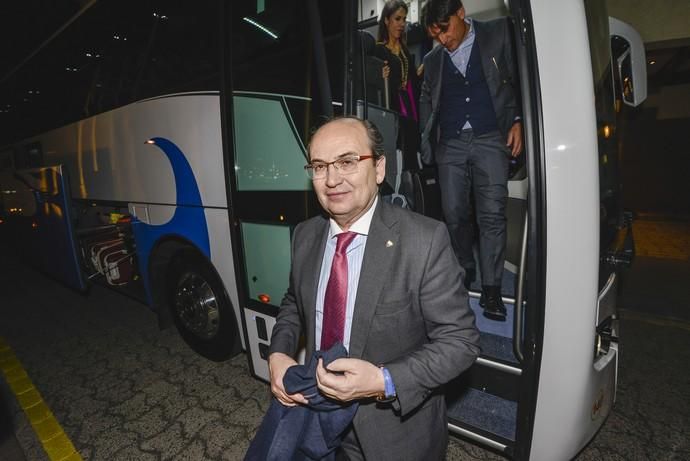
{"points": [[519, 296]]}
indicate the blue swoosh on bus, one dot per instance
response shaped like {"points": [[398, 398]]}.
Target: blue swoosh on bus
{"points": [[188, 222]]}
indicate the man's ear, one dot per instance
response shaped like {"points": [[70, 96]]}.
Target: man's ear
{"points": [[380, 169]]}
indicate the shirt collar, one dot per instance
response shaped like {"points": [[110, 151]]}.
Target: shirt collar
{"points": [[361, 226]]}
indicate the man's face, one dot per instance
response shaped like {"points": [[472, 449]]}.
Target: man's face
{"points": [[450, 34], [346, 197]]}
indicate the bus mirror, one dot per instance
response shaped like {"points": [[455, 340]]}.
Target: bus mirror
{"points": [[629, 62], [625, 79]]}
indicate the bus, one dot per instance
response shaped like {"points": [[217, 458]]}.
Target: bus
{"points": [[157, 147]]}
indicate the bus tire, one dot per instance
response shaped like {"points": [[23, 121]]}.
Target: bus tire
{"points": [[200, 307]]}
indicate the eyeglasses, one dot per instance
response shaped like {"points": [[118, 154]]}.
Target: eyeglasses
{"points": [[343, 165]]}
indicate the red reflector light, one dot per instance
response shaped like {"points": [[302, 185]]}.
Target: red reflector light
{"points": [[265, 299], [34, 225]]}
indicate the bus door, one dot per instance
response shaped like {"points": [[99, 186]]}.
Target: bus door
{"points": [[42, 215], [285, 72], [482, 404]]}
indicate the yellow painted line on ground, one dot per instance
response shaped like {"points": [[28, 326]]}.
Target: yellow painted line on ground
{"points": [[662, 239], [55, 442]]}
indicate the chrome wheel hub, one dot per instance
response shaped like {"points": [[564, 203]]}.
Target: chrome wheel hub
{"points": [[196, 306]]}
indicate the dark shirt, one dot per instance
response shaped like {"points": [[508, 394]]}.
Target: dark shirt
{"points": [[395, 80]]}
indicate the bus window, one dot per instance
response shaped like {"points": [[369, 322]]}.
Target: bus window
{"points": [[270, 38], [287, 72], [267, 250], [264, 162]]}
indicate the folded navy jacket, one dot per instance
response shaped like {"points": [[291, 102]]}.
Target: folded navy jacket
{"points": [[304, 432]]}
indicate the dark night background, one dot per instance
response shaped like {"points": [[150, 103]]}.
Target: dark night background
{"points": [[27, 24]]}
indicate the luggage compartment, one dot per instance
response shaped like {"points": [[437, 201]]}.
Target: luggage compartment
{"points": [[107, 248]]}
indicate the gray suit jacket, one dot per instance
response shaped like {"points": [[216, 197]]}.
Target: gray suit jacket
{"points": [[411, 314], [494, 40]]}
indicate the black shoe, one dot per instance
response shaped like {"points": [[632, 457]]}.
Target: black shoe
{"points": [[492, 303], [470, 277]]}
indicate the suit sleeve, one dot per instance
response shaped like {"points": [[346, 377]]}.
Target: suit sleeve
{"points": [[426, 121], [511, 61], [453, 340], [288, 326]]}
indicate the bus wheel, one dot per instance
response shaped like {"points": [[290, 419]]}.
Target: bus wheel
{"points": [[201, 309]]}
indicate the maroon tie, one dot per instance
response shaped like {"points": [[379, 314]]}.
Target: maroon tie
{"points": [[334, 303]]}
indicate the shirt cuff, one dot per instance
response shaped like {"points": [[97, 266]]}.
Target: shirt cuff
{"points": [[389, 386]]}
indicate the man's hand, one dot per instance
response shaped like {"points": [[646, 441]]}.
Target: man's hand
{"points": [[515, 139], [349, 379], [278, 363]]}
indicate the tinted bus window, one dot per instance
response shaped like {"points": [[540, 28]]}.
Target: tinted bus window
{"points": [[271, 39], [276, 96]]}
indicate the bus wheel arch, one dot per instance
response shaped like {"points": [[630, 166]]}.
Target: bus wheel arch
{"points": [[189, 293]]}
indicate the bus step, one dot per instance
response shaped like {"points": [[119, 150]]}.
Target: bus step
{"points": [[497, 347], [490, 413], [494, 327]]}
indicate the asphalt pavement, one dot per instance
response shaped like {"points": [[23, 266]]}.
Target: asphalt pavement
{"points": [[121, 389]]}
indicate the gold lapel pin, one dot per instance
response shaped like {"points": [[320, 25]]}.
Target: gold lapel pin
{"points": [[389, 244]]}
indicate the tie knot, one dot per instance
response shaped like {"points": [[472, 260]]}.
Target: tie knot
{"points": [[344, 240]]}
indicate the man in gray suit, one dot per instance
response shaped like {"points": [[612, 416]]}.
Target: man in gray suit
{"points": [[470, 123], [406, 321]]}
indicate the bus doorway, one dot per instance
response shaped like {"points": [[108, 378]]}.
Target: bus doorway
{"points": [[482, 403]]}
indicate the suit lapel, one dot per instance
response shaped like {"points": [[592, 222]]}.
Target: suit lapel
{"points": [[382, 244], [311, 270], [487, 55], [436, 99]]}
